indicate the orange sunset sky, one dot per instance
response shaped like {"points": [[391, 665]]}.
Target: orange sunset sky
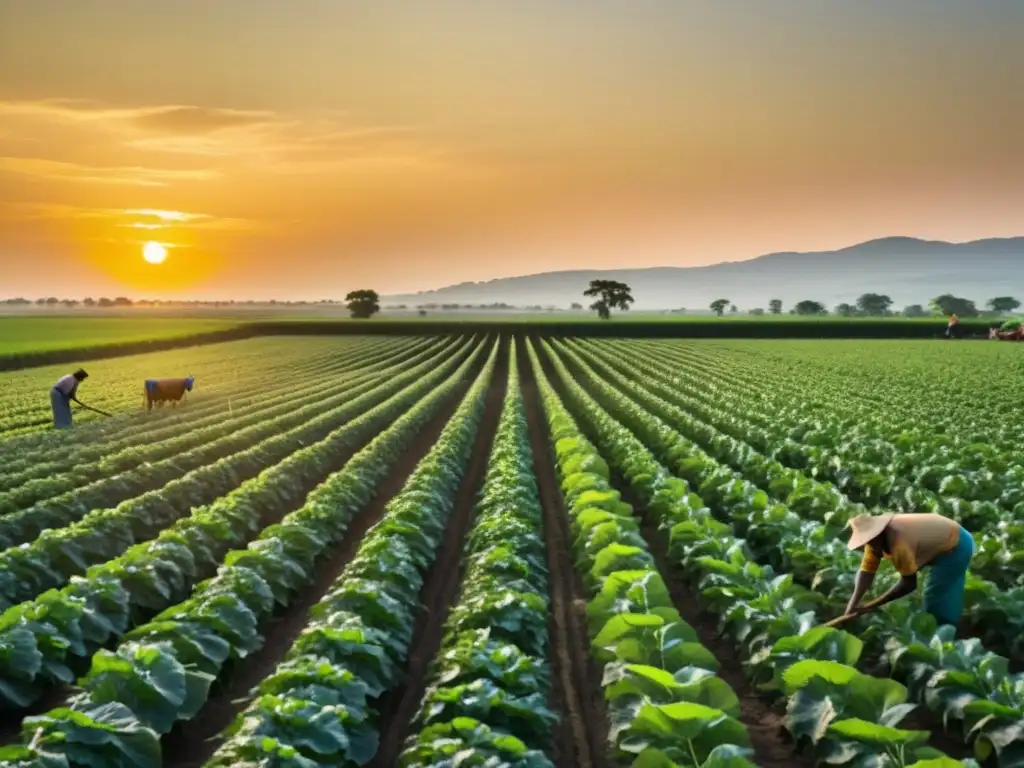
{"points": [[303, 148]]}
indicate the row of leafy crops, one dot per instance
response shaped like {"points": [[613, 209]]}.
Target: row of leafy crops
{"points": [[319, 705], [885, 456], [111, 475], [846, 717], [666, 704], [990, 609], [162, 671], [60, 628], [874, 454], [81, 453], [719, 473], [808, 549], [61, 552], [488, 686], [116, 384]]}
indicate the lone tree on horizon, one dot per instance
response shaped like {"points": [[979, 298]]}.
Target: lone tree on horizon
{"points": [[809, 307], [947, 304], [363, 304], [1003, 304], [874, 304], [718, 306], [610, 294], [775, 306]]}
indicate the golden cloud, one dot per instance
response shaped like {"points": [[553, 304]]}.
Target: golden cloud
{"points": [[133, 218], [264, 140], [73, 172]]}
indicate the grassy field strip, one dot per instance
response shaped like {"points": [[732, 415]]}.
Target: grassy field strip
{"points": [[19, 335]]}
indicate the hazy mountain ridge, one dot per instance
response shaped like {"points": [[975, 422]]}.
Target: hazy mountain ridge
{"points": [[908, 269]]}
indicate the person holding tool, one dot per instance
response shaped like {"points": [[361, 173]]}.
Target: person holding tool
{"points": [[912, 542], [63, 392]]}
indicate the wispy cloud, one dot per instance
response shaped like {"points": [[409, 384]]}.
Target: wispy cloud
{"points": [[162, 215], [164, 118], [198, 120], [264, 140], [123, 175], [139, 218]]}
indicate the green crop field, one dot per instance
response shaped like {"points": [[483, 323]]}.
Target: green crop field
{"points": [[416, 550], [20, 334]]}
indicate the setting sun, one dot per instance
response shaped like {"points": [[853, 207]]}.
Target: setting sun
{"points": [[154, 253]]}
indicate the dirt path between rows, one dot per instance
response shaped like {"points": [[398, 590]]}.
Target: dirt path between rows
{"points": [[192, 743], [576, 694], [441, 583]]}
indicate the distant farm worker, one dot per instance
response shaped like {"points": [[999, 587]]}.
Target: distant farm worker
{"points": [[952, 328], [162, 391], [63, 392], [912, 542]]}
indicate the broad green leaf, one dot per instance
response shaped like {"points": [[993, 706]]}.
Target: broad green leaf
{"points": [[878, 735]]}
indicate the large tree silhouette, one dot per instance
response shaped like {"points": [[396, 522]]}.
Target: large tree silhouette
{"points": [[1003, 304], [875, 304], [363, 303], [948, 304], [718, 306], [809, 307], [610, 294]]}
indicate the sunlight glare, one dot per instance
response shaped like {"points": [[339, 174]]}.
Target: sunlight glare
{"points": [[154, 253]]}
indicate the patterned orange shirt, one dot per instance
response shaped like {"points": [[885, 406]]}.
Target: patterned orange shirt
{"points": [[915, 540]]}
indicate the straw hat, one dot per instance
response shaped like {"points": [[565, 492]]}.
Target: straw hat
{"points": [[867, 527]]}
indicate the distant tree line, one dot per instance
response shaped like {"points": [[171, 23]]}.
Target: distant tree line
{"points": [[612, 295], [608, 295], [880, 305]]}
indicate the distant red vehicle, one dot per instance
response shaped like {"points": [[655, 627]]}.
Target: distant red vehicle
{"points": [[162, 391], [998, 335]]}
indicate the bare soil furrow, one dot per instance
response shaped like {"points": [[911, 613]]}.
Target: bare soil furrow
{"points": [[576, 693]]}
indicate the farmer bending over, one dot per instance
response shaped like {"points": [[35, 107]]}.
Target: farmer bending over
{"points": [[912, 542], [63, 392]]}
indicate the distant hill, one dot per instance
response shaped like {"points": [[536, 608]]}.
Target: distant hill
{"points": [[910, 270]]}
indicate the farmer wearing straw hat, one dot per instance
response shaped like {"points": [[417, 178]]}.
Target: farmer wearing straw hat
{"points": [[912, 542]]}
